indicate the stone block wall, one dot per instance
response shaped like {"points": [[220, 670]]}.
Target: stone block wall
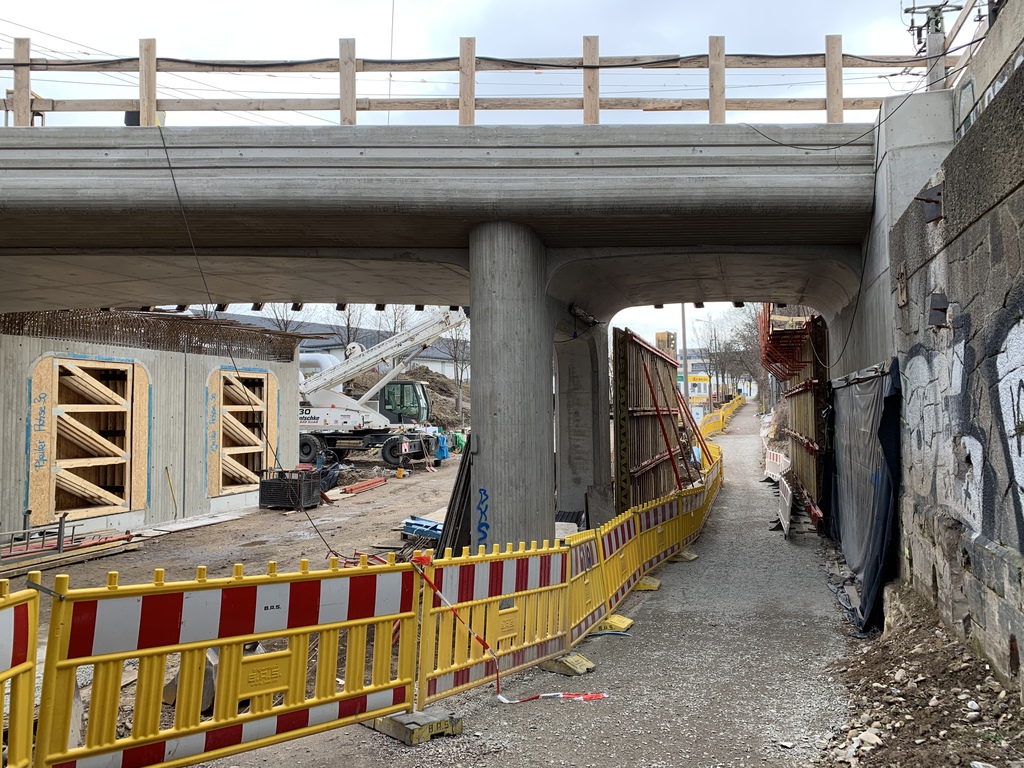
{"points": [[963, 438]]}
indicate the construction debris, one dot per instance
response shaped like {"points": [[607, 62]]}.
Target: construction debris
{"points": [[364, 485]]}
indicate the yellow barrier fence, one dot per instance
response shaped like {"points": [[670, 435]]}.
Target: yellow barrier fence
{"points": [[588, 597], [513, 600], [658, 530], [295, 654], [19, 628], [695, 505], [339, 647], [711, 424], [620, 556], [715, 422]]}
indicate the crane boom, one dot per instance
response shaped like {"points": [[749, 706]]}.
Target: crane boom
{"points": [[422, 334]]}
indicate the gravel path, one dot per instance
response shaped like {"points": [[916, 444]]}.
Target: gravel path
{"points": [[727, 664]]}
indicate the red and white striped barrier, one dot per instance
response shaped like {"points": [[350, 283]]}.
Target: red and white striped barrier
{"points": [[587, 603], [584, 557], [481, 581], [668, 542], [120, 624], [15, 629], [210, 743], [622, 568], [785, 505], [618, 537]]}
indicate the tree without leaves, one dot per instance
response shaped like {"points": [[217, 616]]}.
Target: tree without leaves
{"points": [[712, 339], [745, 349], [455, 346], [345, 324], [283, 318], [394, 318]]}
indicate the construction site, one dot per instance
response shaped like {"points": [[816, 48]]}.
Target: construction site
{"points": [[332, 439]]}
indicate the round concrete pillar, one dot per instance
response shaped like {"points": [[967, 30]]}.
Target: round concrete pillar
{"points": [[513, 397]]}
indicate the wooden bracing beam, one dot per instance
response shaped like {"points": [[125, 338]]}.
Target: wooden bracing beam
{"points": [[75, 431], [238, 392], [237, 472], [238, 431], [79, 486], [90, 387]]}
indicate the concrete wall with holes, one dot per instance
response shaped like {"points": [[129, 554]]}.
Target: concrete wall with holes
{"points": [[914, 135], [174, 466], [963, 429]]}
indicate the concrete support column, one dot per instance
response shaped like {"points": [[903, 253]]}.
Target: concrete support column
{"points": [[511, 357], [583, 445]]}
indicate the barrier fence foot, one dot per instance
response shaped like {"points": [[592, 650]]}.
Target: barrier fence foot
{"points": [[615, 623], [647, 584], [570, 665], [414, 728], [686, 556]]}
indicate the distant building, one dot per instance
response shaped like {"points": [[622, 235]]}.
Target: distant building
{"points": [[665, 341], [433, 357]]}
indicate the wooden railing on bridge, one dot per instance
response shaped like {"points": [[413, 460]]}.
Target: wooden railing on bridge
{"points": [[26, 105]]}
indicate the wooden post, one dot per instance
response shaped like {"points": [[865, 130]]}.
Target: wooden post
{"points": [[716, 79], [834, 78], [147, 82], [467, 80], [591, 81], [22, 82], [347, 70]]}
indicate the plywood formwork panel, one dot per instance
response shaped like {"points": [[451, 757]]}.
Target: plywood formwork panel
{"points": [[242, 426], [88, 438]]}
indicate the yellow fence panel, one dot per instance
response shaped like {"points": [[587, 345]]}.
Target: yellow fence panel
{"points": [[19, 627], [712, 424], [339, 647], [588, 593], [659, 533], [696, 504], [620, 556], [515, 601]]}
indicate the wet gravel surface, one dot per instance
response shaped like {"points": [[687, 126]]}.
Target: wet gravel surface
{"points": [[727, 665]]}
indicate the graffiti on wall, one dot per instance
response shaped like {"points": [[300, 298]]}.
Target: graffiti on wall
{"points": [[946, 455], [1010, 369], [964, 428]]}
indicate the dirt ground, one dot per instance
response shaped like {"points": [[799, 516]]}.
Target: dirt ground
{"points": [[742, 658], [920, 698]]}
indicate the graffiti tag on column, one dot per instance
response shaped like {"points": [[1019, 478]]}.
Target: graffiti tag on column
{"points": [[482, 526], [39, 425]]}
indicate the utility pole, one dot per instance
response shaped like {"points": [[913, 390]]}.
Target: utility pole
{"points": [[936, 50], [686, 357], [934, 29]]}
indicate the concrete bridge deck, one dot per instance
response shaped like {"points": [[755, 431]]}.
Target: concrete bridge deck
{"points": [[384, 214]]}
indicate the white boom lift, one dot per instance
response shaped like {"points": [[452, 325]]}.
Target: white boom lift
{"points": [[331, 419]]}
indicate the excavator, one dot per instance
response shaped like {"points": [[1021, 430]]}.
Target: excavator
{"points": [[389, 415]]}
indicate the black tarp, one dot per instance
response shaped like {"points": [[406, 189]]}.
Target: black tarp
{"points": [[865, 411]]}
